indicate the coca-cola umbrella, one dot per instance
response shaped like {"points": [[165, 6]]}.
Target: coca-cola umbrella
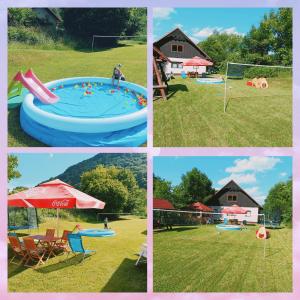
{"points": [[234, 210], [197, 62], [54, 194]]}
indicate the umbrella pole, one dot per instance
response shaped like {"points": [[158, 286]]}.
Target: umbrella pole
{"points": [[57, 221]]}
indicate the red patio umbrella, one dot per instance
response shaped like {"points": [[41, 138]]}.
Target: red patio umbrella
{"points": [[196, 61], [54, 194], [233, 210], [201, 207]]}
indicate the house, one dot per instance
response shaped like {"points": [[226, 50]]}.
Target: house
{"points": [[233, 194], [49, 16], [179, 48], [161, 218], [198, 206]]}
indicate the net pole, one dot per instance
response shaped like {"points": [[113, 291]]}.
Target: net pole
{"points": [[93, 43], [225, 89]]}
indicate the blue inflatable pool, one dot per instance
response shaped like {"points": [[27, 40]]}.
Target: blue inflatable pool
{"points": [[97, 232], [90, 112], [228, 227]]}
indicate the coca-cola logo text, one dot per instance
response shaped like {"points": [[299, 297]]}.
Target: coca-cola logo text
{"points": [[61, 203]]}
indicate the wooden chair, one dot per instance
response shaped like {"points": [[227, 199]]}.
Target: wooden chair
{"points": [[49, 234], [18, 249], [35, 253], [62, 244]]}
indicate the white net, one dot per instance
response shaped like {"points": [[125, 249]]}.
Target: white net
{"points": [[246, 82]]}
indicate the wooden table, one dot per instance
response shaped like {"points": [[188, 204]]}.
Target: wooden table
{"points": [[51, 241]]}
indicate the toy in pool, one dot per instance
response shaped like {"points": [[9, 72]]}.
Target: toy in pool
{"points": [[88, 114], [228, 227], [210, 80], [97, 232]]}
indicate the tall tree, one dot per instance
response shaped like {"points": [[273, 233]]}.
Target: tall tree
{"points": [[195, 186], [162, 188], [12, 167], [222, 47], [279, 201]]}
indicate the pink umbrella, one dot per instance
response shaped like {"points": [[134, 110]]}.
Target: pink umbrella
{"points": [[233, 210], [54, 194], [196, 61]]}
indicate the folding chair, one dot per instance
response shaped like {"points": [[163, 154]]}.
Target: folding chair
{"points": [[142, 254], [62, 244], [75, 243], [18, 249], [34, 252]]}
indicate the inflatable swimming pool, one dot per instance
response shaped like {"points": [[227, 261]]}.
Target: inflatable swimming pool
{"points": [[89, 112], [97, 232], [228, 227], [210, 80]]}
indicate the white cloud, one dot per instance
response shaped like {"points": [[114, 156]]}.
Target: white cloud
{"points": [[178, 25], [196, 41], [253, 163], [207, 31], [239, 178], [162, 12], [256, 194], [283, 174]]}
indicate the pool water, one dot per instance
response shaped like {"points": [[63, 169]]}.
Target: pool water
{"points": [[92, 100]]}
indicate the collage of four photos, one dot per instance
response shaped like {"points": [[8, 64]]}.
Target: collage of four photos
{"points": [[89, 217]]}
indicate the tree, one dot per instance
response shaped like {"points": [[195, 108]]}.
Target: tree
{"points": [[85, 22], [195, 186], [279, 201], [271, 41], [12, 167], [162, 188], [222, 47], [117, 187]]}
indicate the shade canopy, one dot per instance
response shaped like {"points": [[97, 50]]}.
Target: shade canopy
{"points": [[162, 204], [196, 61], [54, 194], [200, 207], [233, 210]]}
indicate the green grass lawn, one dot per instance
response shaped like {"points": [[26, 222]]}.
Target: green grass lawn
{"points": [[55, 64], [198, 259], [111, 269], [193, 115]]}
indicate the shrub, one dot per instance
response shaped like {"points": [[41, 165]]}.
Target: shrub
{"points": [[253, 72]]}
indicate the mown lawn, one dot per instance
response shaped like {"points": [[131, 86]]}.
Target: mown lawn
{"points": [[198, 259], [111, 269], [55, 64], [193, 115]]}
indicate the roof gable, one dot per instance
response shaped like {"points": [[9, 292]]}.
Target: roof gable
{"points": [[178, 35], [243, 199]]}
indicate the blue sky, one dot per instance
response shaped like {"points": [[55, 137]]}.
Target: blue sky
{"points": [[255, 174], [38, 167], [199, 23]]}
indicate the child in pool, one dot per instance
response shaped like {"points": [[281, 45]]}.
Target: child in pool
{"points": [[117, 74]]}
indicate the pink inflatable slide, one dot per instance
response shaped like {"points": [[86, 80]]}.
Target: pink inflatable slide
{"points": [[36, 87]]}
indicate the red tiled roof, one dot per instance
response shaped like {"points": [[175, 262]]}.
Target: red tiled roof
{"points": [[201, 207], [162, 204]]}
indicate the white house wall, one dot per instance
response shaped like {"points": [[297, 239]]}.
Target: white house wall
{"points": [[251, 218], [169, 69]]}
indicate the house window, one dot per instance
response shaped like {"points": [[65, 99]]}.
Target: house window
{"points": [[176, 65], [232, 198], [177, 48]]}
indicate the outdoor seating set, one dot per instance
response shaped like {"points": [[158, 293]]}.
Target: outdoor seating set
{"points": [[35, 250]]}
